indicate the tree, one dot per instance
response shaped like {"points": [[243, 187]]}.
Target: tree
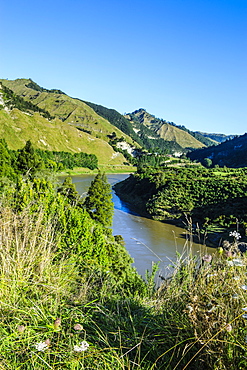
{"points": [[99, 200], [5, 160], [68, 190], [28, 161], [207, 162]]}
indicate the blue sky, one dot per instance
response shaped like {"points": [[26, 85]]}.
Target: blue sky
{"points": [[182, 60]]}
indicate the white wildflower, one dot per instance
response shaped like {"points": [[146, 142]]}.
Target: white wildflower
{"points": [[244, 287], [189, 308], [244, 316], [211, 275], [235, 262], [41, 346], [82, 347], [244, 308], [78, 327], [207, 258], [235, 234]]}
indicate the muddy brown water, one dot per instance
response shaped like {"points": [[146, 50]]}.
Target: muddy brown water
{"points": [[146, 240]]}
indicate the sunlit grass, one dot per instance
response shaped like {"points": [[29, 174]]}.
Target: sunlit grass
{"points": [[53, 317]]}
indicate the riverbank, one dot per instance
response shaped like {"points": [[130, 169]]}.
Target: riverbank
{"points": [[107, 169], [213, 236]]}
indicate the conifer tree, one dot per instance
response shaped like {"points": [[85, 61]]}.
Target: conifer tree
{"points": [[99, 200], [5, 160], [68, 190], [28, 162]]}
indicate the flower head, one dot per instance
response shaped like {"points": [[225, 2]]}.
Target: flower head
{"points": [[21, 328], [228, 328], [78, 327], [41, 346], [57, 323], [207, 258], [235, 234], [82, 347]]}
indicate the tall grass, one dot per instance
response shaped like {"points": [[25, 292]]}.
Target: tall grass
{"points": [[48, 309]]}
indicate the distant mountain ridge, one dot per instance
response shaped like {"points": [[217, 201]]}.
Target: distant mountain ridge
{"points": [[219, 138]]}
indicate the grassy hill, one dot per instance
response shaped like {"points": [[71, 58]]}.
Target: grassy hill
{"points": [[72, 111], [166, 131], [17, 126], [183, 138]]}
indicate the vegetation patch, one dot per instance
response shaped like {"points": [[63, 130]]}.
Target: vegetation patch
{"points": [[206, 196]]}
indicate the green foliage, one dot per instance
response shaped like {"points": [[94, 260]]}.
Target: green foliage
{"points": [[28, 162], [207, 162], [68, 189], [6, 161], [172, 193], [99, 200], [62, 160]]}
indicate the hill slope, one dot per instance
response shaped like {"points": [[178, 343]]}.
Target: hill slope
{"points": [[164, 130], [217, 138], [18, 126], [231, 153], [69, 110]]}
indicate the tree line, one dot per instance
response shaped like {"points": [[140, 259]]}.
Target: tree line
{"points": [[29, 161]]}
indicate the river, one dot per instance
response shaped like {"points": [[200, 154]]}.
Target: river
{"points": [[146, 240]]}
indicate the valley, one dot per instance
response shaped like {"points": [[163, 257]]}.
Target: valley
{"points": [[72, 297]]}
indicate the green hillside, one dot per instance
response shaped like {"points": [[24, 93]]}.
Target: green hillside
{"points": [[168, 131], [69, 110], [17, 126], [183, 138]]}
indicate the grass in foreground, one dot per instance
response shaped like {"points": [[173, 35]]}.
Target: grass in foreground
{"points": [[54, 317]]}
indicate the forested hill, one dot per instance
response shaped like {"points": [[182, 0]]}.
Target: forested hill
{"points": [[231, 153], [209, 196]]}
